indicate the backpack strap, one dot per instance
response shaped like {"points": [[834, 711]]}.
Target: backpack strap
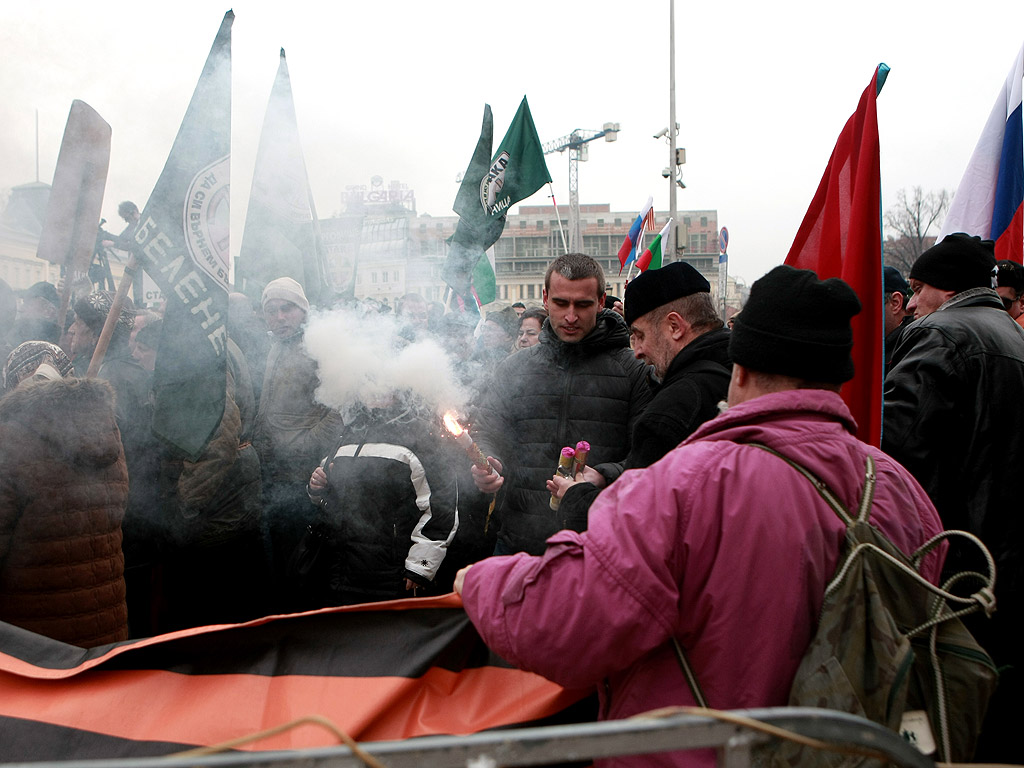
{"points": [[690, 675], [830, 497], [837, 506], [983, 599]]}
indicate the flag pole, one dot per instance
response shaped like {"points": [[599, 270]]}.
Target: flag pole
{"points": [[108, 325], [558, 216]]}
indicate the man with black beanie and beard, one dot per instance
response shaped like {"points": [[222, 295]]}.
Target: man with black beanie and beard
{"points": [[952, 417], [719, 545]]}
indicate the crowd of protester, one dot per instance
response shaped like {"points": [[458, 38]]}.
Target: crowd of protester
{"points": [[673, 530]]}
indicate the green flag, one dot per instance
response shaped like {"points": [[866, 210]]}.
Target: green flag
{"points": [[489, 188], [182, 240], [476, 231], [282, 234], [517, 168]]}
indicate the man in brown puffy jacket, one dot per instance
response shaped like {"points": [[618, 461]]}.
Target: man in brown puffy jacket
{"points": [[63, 491]]}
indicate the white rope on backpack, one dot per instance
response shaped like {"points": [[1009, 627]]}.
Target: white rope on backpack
{"points": [[939, 610]]}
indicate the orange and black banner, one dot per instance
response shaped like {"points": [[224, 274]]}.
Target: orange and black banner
{"points": [[379, 672]]}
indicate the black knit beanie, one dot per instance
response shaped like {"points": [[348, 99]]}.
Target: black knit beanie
{"points": [[794, 324], [657, 287], [958, 263]]}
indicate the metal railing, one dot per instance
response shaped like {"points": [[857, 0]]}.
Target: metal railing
{"points": [[735, 744]]}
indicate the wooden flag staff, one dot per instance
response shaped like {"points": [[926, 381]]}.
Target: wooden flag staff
{"points": [[112, 316]]}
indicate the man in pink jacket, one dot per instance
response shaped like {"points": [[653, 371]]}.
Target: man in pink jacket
{"points": [[719, 545]]}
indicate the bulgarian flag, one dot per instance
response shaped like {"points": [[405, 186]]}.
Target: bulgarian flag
{"points": [[651, 258], [627, 252]]}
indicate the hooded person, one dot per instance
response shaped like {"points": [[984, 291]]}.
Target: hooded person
{"points": [[63, 492], [677, 332], [719, 546], [951, 400], [293, 431]]}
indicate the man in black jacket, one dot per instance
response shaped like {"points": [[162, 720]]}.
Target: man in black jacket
{"points": [[676, 330], [580, 383], [952, 400]]}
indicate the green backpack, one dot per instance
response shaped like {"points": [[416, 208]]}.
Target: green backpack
{"points": [[890, 645]]}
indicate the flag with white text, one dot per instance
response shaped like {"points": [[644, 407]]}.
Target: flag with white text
{"points": [[182, 240], [476, 231]]}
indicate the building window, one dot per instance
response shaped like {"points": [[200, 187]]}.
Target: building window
{"points": [[522, 223], [686, 221], [618, 222], [373, 277], [540, 225], [504, 291], [600, 222], [530, 291], [384, 276], [394, 276], [703, 221]]}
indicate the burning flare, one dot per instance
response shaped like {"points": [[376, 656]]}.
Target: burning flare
{"points": [[462, 438]]}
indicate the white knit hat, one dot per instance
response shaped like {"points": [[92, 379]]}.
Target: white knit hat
{"points": [[287, 289]]}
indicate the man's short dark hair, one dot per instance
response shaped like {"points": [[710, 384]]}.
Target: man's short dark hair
{"points": [[519, 304], [576, 266], [697, 309], [126, 209]]}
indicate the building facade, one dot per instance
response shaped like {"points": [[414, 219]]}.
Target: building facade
{"points": [[21, 224], [379, 248]]}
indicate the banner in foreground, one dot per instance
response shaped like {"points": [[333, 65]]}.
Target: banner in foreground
{"points": [[379, 672]]}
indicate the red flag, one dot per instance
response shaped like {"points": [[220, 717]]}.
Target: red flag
{"points": [[841, 236]]}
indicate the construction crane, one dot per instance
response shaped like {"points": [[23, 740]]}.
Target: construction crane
{"points": [[576, 142]]}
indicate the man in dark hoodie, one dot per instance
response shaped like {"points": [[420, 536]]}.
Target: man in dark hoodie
{"points": [[676, 330], [581, 382]]}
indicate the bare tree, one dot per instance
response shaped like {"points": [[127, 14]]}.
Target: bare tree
{"points": [[908, 224]]}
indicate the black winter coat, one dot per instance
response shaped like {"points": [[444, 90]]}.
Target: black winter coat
{"points": [[952, 417], [390, 507], [551, 396], [696, 381]]}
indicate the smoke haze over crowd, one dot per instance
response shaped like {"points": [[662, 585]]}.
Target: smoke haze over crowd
{"points": [[363, 359]]}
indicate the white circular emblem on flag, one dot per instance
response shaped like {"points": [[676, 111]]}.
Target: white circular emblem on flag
{"points": [[207, 220], [491, 184]]}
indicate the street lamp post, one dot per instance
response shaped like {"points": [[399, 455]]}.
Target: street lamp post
{"points": [[672, 129]]}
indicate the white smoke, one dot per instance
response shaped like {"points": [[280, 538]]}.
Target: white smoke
{"points": [[362, 359]]}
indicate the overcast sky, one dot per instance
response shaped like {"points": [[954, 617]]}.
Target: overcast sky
{"points": [[397, 89]]}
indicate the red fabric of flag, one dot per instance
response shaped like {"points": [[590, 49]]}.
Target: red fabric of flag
{"points": [[841, 236]]}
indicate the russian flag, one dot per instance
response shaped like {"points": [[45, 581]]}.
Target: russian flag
{"points": [[990, 199], [627, 252]]}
